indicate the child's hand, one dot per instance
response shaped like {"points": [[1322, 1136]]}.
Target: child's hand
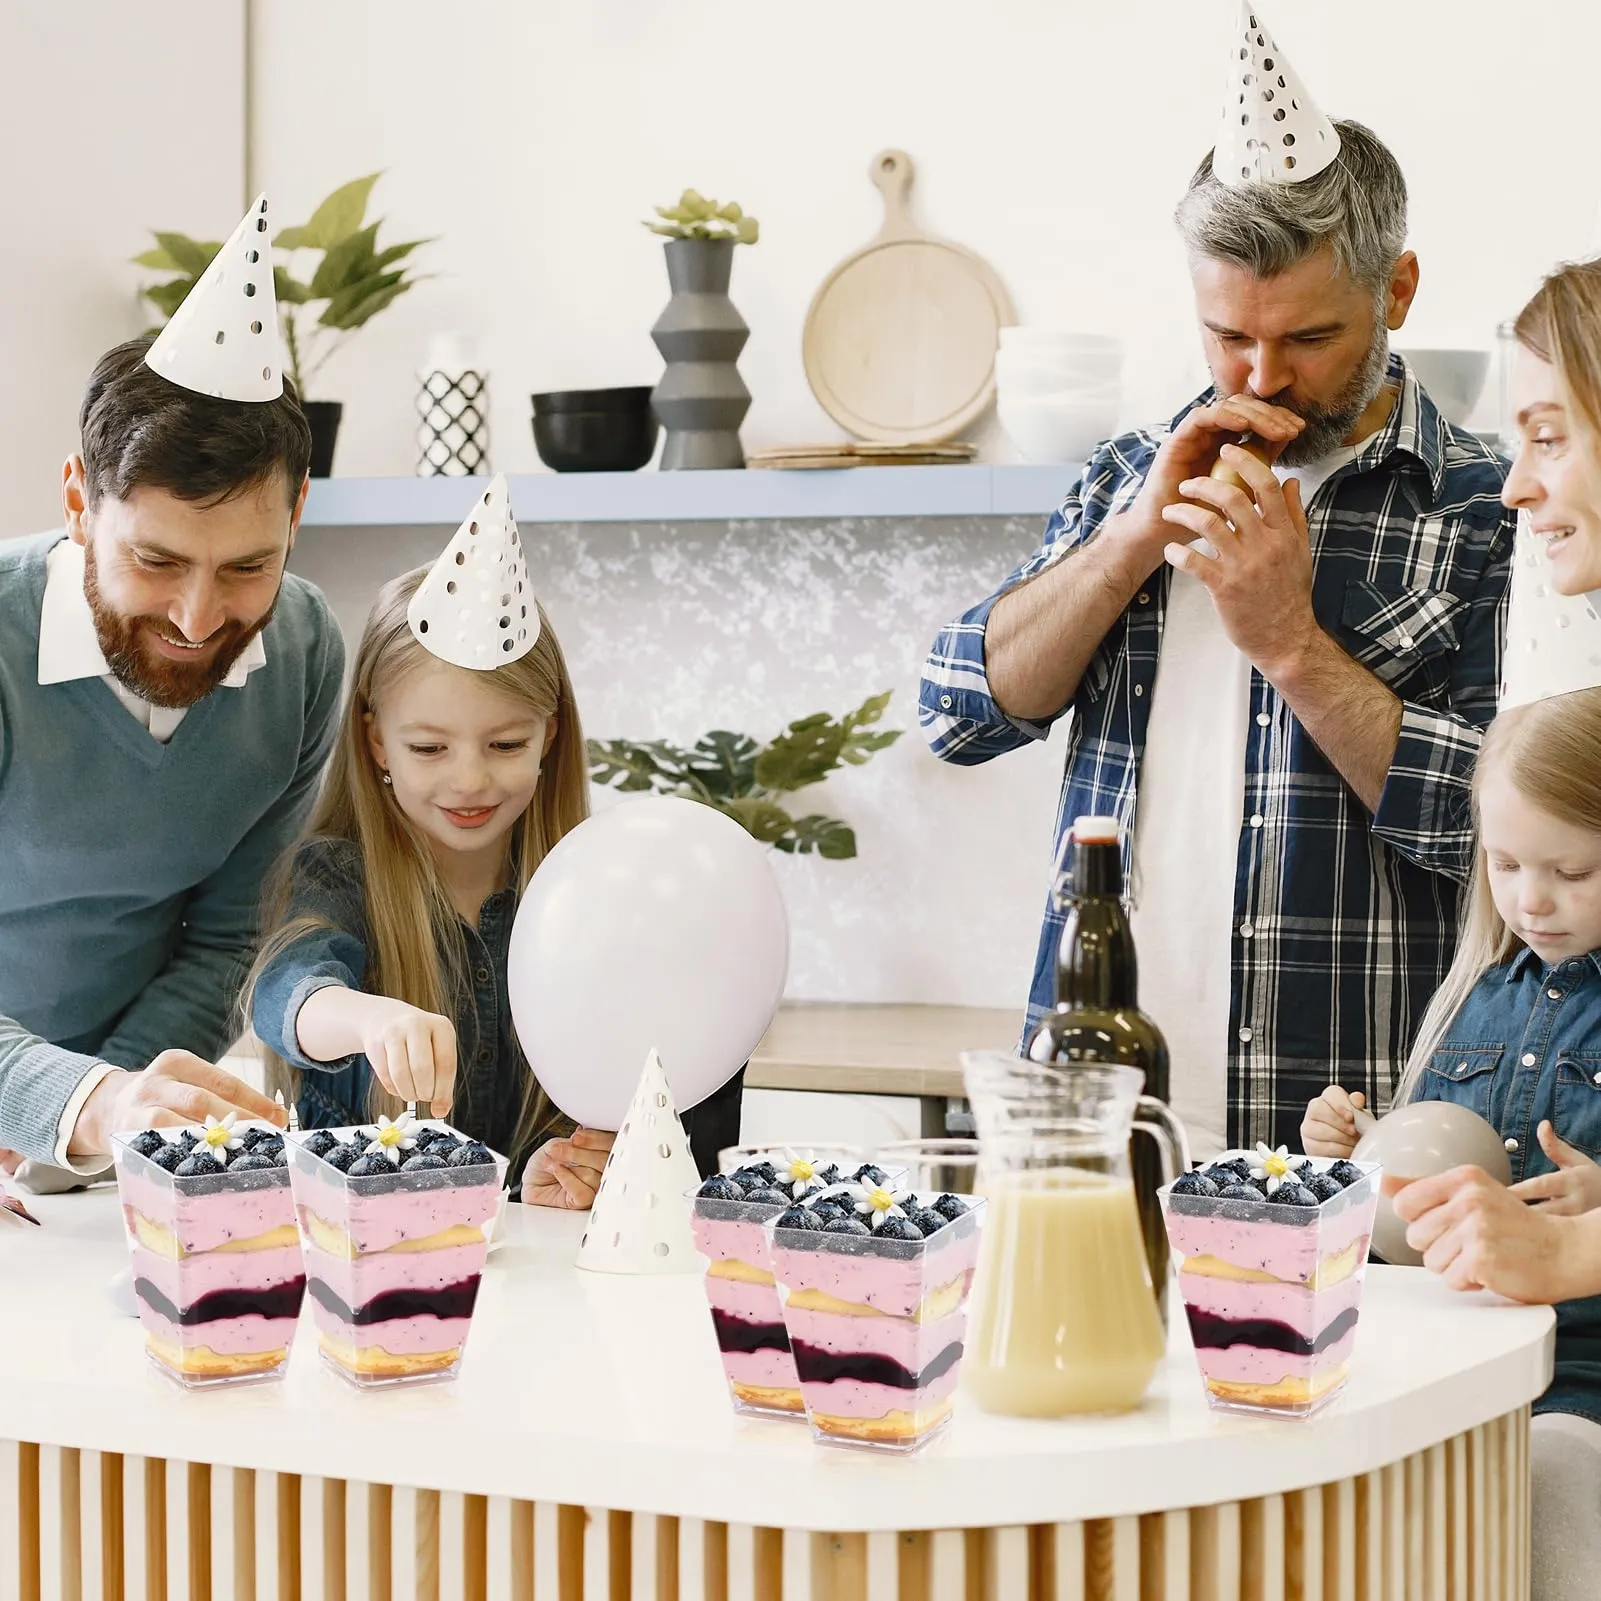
{"points": [[412, 1052], [1575, 1186], [1329, 1127], [566, 1173]]}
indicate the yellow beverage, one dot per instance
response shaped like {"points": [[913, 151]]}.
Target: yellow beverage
{"points": [[1063, 1318]]}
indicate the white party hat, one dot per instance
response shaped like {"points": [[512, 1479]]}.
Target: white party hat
{"points": [[1272, 131], [1553, 641], [476, 608], [640, 1220], [223, 339]]}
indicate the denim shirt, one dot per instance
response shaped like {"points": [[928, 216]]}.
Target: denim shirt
{"points": [[1526, 1046], [327, 883]]}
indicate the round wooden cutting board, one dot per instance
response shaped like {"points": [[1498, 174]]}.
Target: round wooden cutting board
{"points": [[899, 343]]}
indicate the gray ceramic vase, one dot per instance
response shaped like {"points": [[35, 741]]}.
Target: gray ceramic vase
{"points": [[701, 399]]}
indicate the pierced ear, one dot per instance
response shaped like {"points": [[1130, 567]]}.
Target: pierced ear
{"points": [[550, 736], [375, 740]]}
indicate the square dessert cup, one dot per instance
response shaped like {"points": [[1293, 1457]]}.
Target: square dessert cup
{"points": [[1273, 1293], [393, 1260], [876, 1326], [746, 1314], [217, 1270]]}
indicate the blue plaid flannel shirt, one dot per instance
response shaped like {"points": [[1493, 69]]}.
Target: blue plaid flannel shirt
{"points": [[1352, 916]]}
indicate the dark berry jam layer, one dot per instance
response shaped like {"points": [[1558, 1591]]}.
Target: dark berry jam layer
{"points": [[816, 1366], [1211, 1332], [276, 1301], [454, 1300], [735, 1334]]}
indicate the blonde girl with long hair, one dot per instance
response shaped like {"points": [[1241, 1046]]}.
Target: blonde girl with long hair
{"points": [[383, 977]]}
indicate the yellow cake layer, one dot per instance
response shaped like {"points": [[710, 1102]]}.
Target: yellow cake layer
{"points": [[1328, 1272], [203, 1362], [774, 1397], [892, 1426], [936, 1304], [374, 1362], [1288, 1391], [162, 1241], [743, 1272], [335, 1241]]}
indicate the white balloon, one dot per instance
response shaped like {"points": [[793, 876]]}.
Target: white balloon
{"points": [[655, 925]]}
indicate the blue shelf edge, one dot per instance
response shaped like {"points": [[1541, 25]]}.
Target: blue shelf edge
{"points": [[679, 497]]}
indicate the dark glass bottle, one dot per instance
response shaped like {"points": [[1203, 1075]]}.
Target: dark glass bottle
{"points": [[1097, 1016]]}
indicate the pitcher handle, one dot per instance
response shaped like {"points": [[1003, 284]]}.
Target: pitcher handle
{"points": [[1156, 1119]]}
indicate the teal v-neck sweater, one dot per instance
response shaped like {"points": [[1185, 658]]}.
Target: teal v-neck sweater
{"points": [[130, 870]]}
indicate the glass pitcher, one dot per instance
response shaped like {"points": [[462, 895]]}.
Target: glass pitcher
{"points": [[1064, 1318]]}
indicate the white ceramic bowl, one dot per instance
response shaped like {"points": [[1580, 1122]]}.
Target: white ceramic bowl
{"points": [[1453, 378], [1056, 429], [1072, 366]]}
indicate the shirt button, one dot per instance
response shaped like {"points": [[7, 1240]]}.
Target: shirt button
{"points": [[945, 703], [1262, 719], [1246, 931], [1139, 689], [484, 1055], [1144, 598], [1553, 995], [482, 975], [1245, 1036], [1511, 1145], [1256, 819], [1528, 1058], [1596, 1079], [1461, 1067], [1406, 642]]}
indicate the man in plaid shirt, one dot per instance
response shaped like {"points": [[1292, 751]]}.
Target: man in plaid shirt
{"points": [[1283, 713]]}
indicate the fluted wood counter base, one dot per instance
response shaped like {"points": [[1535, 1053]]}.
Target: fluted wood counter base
{"points": [[1448, 1524]]}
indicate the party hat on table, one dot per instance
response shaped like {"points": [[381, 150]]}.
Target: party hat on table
{"points": [[1553, 641], [1271, 130], [476, 607], [639, 1222], [223, 340]]}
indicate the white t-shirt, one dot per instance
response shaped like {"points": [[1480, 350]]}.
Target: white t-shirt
{"points": [[1188, 817]]}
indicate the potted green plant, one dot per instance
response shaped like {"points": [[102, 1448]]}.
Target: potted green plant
{"points": [[701, 398], [744, 780], [350, 280]]}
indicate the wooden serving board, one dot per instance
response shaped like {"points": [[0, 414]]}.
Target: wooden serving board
{"points": [[899, 342], [861, 454]]}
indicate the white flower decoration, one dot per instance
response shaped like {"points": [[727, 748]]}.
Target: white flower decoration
{"points": [[1278, 1167], [797, 1173], [875, 1202], [392, 1138], [217, 1138]]}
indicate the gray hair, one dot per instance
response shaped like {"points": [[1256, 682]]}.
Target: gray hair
{"points": [[1356, 205]]}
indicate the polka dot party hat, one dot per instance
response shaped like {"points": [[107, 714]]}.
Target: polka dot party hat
{"points": [[1553, 641]]}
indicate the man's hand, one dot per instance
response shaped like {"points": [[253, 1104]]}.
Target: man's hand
{"points": [[1476, 1234], [1575, 1186], [177, 1087], [566, 1173], [1261, 577], [1329, 1126]]}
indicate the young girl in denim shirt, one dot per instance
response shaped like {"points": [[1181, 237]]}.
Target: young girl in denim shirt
{"points": [[383, 979], [1515, 1034]]}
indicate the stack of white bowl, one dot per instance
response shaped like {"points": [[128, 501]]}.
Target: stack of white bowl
{"points": [[1057, 391]]}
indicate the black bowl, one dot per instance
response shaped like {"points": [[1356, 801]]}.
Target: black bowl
{"points": [[634, 399], [595, 441]]}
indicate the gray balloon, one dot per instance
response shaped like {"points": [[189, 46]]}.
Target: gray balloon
{"points": [[1417, 1141]]}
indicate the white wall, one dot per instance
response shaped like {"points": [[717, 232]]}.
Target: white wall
{"points": [[1053, 136], [114, 119]]}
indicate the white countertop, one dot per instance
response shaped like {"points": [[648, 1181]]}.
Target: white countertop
{"points": [[606, 1392]]}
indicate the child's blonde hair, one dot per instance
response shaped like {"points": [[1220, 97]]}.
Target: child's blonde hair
{"points": [[1551, 752], [417, 952]]}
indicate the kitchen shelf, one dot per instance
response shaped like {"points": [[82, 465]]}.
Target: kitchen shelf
{"points": [[680, 497]]}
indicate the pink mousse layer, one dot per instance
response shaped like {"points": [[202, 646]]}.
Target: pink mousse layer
{"points": [[726, 1240], [770, 1369], [913, 1345], [376, 1222], [1306, 1311], [755, 1303], [185, 1281], [1285, 1250], [404, 1336], [892, 1285], [850, 1398], [203, 1222], [227, 1336], [359, 1281], [1249, 1364]]}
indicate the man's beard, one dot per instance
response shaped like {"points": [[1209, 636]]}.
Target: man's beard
{"points": [[1329, 425], [151, 677]]}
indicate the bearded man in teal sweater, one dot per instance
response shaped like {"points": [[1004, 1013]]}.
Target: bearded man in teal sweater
{"points": [[168, 696]]}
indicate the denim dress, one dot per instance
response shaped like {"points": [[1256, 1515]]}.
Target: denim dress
{"points": [[1525, 1047], [327, 883]]}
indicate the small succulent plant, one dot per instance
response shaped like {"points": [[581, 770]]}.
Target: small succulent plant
{"points": [[696, 217]]}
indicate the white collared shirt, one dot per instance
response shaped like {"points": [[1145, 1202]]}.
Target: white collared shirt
{"points": [[69, 650]]}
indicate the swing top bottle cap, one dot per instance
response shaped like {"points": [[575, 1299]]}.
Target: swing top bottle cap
{"points": [[1095, 830]]}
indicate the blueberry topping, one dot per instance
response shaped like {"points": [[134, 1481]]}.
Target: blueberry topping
{"points": [[1239, 1192], [926, 1220], [256, 1135], [829, 1210], [426, 1159], [950, 1207], [1345, 1174], [320, 1142], [767, 1196], [766, 1169], [1293, 1195], [867, 1173], [799, 1217], [1237, 1165], [898, 1228], [721, 1189], [342, 1155], [148, 1143], [367, 1167], [472, 1154], [1322, 1187], [196, 1166], [748, 1179], [846, 1225], [169, 1156], [435, 1136], [188, 1136], [829, 1174], [251, 1162], [1194, 1184]]}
